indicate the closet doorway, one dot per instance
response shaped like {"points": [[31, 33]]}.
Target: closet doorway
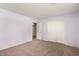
{"points": [[34, 31]]}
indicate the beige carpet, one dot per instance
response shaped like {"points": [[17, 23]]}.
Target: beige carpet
{"points": [[40, 48]]}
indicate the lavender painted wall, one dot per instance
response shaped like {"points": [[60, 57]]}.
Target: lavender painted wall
{"points": [[14, 29], [71, 26]]}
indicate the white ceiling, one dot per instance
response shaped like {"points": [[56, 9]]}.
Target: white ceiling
{"points": [[41, 10]]}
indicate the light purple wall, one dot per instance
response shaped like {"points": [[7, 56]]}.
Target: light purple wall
{"points": [[71, 26], [71, 29], [14, 29], [78, 29]]}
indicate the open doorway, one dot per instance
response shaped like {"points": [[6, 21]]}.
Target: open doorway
{"points": [[34, 31]]}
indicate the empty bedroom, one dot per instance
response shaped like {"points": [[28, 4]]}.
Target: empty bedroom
{"points": [[39, 29]]}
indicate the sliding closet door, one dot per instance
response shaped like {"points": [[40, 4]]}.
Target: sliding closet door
{"points": [[56, 31]]}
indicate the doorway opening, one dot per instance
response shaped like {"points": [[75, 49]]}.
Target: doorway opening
{"points": [[34, 31]]}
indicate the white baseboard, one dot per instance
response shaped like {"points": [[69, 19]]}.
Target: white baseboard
{"points": [[18, 43]]}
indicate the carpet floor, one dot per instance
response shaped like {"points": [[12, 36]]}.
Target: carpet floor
{"points": [[40, 48]]}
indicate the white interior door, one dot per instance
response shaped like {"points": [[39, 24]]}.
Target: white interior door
{"points": [[39, 31], [56, 31]]}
